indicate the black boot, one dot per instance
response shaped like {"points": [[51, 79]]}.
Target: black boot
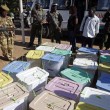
{"points": [[30, 45]]}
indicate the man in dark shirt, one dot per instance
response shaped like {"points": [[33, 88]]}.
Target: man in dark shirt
{"points": [[106, 38], [72, 24]]}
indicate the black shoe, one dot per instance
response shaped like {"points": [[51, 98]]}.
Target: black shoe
{"points": [[52, 40], [77, 48], [106, 48], [37, 45], [29, 45], [58, 42]]}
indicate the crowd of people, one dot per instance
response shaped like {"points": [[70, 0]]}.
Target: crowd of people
{"points": [[89, 28]]}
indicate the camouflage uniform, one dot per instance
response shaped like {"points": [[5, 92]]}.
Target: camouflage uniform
{"points": [[54, 19], [36, 29], [6, 37]]}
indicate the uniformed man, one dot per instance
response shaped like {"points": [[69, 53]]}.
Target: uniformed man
{"points": [[106, 38], [54, 19], [6, 33], [36, 29]]}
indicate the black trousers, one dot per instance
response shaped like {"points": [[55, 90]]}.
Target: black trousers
{"points": [[88, 41], [36, 30], [105, 41], [55, 34]]}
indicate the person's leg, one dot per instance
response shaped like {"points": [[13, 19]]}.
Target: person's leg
{"points": [[3, 42], [107, 41], [107, 44], [58, 36], [10, 48], [39, 34], [51, 33], [102, 41], [84, 41], [72, 40], [32, 37], [91, 42]]}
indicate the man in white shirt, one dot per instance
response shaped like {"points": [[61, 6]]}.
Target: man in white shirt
{"points": [[90, 28]]}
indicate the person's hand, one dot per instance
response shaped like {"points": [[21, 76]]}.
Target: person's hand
{"points": [[43, 22], [59, 29]]}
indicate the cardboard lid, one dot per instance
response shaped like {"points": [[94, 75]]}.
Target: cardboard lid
{"points": [[85, 106], [35, 54], [62, 52], [53, 57], [32, 75], [11, 93], [48, 101], [78, 75], [5, 79], [96, 97], [64, 87]]}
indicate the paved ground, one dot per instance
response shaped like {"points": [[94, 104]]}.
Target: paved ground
{"points": [[20, 49]]}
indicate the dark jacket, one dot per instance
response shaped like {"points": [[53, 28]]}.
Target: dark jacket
{"points": [[72, 23], [106, 20]]}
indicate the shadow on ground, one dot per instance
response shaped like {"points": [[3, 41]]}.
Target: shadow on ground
{"points": [[3, 58], [21, 44]]}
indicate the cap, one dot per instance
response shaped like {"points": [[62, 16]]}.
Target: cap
{"points": [[5, 7], [38, 3], [54, 4]]}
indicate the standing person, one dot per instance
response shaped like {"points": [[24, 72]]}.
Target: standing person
{"points": [[106, 38], [72, 25], [36, 29], [6, 33], [90, 28], [54, 19]]}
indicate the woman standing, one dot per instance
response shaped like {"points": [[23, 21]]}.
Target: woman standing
{"points": [[6, 33], [72, 25]]}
